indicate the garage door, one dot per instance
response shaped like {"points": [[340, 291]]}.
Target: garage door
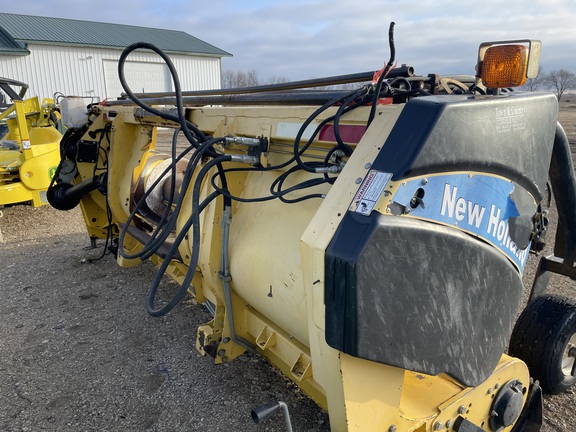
{"points": [[142, 77]]}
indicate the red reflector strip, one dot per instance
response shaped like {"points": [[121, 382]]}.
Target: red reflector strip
{"points": [[351, 134]]}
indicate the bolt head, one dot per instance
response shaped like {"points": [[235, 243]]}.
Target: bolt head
{"points": [[438, 426], [392, 428]]}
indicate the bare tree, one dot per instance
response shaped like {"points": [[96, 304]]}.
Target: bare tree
{"points": [[276, 79], [250, 79], [532, 84], [560, 80], [235, 79], [228, 79]]}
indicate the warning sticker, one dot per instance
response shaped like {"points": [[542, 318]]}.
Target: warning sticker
{"points": [[370, 191]]}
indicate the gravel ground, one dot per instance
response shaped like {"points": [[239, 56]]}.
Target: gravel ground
{"points": [[78, 351]]}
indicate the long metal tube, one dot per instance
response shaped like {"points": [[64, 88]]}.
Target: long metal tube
{"points": [[225, 277], [284, 97], [404, 70], [311, 97]]}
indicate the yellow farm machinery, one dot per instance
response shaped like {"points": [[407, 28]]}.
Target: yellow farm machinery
{"points": [[370, 243], [29, 145]]}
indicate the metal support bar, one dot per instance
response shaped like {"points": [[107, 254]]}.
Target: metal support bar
{"points": [[402, 71], [311, 97], [225, 277], [563, 181]]}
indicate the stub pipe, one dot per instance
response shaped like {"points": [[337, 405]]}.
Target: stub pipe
{"points": [[264, 411]]}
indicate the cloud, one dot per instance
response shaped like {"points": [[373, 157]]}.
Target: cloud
{"points": [[303, 39]]}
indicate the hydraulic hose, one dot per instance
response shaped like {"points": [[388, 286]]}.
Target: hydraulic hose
{"points": [[387, 68], [297, 150], [166, 224], [180, 118], [194, 223]]}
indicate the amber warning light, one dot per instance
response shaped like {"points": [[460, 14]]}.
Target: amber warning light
{"points": [[508, 64]]}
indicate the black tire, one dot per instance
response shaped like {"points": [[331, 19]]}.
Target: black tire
{"points": [[543, 337]]}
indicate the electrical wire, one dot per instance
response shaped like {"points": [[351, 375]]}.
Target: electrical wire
{"points": [[108, 241], [104, 133]]}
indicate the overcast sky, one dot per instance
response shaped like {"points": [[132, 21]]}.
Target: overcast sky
{"points": [[300, 39]]}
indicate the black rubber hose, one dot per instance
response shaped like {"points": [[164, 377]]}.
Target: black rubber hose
{"points": [[194, 223], [149, 246], [166, 226], [278, 183], [387, 68], [276, 167], [297, 150], [341, 111], [180, 118]]}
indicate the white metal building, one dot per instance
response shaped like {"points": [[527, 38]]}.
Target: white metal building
{"points": [[80, 58]]}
